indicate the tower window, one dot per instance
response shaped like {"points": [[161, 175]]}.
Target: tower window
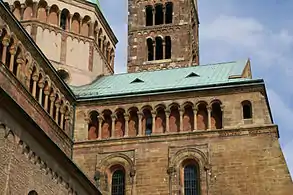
{"points": [[64, 19], [247, 109], [169, 13], [159, 48], [159, 15], [150, 49], [149, 15], [118, 182], [168, 47], [191, 182]]}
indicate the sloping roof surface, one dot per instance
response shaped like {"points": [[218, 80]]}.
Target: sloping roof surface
{"points": [[170, 79]]}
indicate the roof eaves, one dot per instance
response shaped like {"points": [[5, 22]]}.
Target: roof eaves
{"points": [[175, 90]]}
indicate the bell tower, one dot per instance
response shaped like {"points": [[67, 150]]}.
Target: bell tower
{"points": [[162, 34]]}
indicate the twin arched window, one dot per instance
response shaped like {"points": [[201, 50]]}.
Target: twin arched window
{"points": [[160, 14], [118, 182], [159, 49]]}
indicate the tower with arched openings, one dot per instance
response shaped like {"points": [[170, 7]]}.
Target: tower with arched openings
{"points": [[162, 34]]}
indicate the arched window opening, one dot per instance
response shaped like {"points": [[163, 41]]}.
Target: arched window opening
{"points": [[93, 126], [2, 36], [96, 31], [107, 124], [188, 118], [160, 121], [216, 116], [169, 13], [247, 109], [53, 16], [63, 74], [33, 192], [42, 16], [149, 15], [8, 54], [133, 122], [168, 47], [191, 179], [59, 113], [85, 28], [16, 11], [147, 121], [120, 123], [100, 38], [28, 12], [150, 49], [107, 48], [75, 25], [174, 119], [64, 19], [202, 117], [118, 182], [159, 14], [159, 48]]}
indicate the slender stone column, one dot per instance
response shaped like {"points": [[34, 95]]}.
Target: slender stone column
{"points": [[181, 112], [114, 117], [164, 49], [100, 118], [41, 86], [47, 93], [154, 17], [67, 124], [195, 110], [223, 121], [20, 61], [57, 104], [52, 99], [5, 44], [154, 122], [140, 116], [126, 117], [12, 55], [167, 112], [209, 108], [62, 112], [35, 79], [154, 50]]}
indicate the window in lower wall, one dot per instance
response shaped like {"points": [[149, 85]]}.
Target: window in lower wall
{"points": [[190, 180], [118, 182]]}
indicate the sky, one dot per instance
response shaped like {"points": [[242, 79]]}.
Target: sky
{"points": [[232, 30]]}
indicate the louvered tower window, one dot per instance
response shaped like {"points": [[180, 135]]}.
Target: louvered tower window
{"points": [[118, 183], [191, 182]]}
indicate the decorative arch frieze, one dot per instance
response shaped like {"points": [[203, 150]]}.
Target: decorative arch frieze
{"points": [[23, 148]]}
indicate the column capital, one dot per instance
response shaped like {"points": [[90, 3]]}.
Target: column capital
{"points": [[222, 107], [140, 114], [100, 118], [126, 116], [113, 116], [209, 108]]}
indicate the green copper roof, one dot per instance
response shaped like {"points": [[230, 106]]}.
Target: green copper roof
{"points": [[169, 79], [95, 2]]}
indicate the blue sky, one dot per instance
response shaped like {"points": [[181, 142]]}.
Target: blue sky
{"points": [[234, 30]]}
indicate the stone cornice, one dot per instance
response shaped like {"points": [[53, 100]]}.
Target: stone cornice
{"points": [[199, 134], [165, 27]]}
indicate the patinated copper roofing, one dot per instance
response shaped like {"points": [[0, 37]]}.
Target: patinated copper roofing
{"points": [[164, 80]]}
